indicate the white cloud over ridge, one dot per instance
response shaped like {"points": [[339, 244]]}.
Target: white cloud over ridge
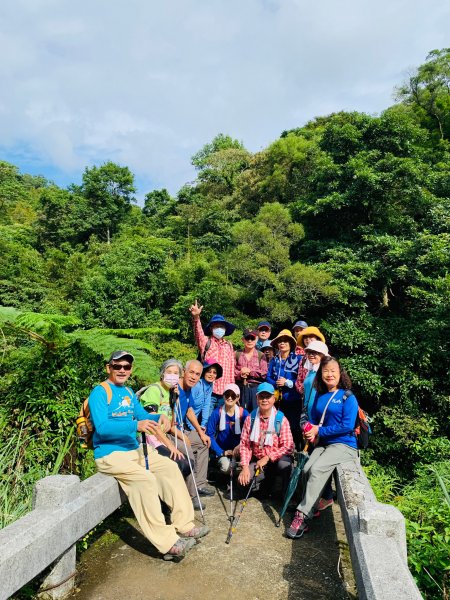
{"points": [[146, 84]]}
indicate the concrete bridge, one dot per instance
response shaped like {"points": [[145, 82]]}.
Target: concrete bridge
{"points": [[360, 544]]}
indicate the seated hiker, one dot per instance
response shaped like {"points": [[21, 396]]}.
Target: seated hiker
{"points": [[266, 443], [282, 374], [333, 416], [298, 327], [213, 348], [250, 369], [117, 417], [156, 399], [225, 426], [201, 393], [196, 443], [264, 329]]}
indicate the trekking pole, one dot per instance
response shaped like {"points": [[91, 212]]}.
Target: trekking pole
{"points": [[145, 449], [232, 465], [178, 417], [235, 520]]}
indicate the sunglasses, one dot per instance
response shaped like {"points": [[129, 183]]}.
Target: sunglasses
{"points": [[263, 329], [250, 338], [126, 367], [231, 395], [311, 353]]}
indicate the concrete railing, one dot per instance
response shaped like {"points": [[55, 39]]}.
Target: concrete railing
{"points": [[376, 537], [64, 510]]}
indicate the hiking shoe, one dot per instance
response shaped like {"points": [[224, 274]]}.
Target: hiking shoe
{"points": [[179, 549], [196, 532], [196, 504], [203, 491], [323, 503], [298, 526]]}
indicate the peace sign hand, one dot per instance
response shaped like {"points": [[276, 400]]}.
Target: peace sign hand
{"points": [[196, 310]]}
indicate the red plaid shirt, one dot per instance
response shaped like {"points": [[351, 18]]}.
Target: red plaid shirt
{"points": [[282, 444], [302, 373], [220, 351], [258, 368]]}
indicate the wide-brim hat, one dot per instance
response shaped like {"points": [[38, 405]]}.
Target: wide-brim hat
{"points": [[309, 331], [229, 327], [284, 333], [207, 365]]}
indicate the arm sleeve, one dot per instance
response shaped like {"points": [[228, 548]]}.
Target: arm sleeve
{"points": [[211, 430], [200, 337], [300, 379], [141, 414], [263, 367], [347, 425], [271, 377], [245, 448], [285, 442], [237, 367], [205, 410], [108, 429], [151, 396]]}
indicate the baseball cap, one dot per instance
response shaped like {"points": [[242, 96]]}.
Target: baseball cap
{"points": [[265, 387], [119, 354]]}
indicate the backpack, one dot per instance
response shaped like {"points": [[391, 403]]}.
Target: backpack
{"points": [[85, 427], [201, 355], [362, 424], [278, 420]]}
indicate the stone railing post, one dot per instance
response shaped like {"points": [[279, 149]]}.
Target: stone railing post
{"points": [[50, 493]]}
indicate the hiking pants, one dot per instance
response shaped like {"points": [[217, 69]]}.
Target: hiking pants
{"points": [[144, 490], [282, 467], [317, 471], [198, 454]]}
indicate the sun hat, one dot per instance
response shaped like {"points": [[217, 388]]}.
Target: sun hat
{"points": [[309, 331], [229, 327], [317, 346], [232, 387], [284, 333], [265, 387], [207, 365]]}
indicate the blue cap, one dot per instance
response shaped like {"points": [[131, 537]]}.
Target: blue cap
{"points": [[302, 324], [265, 387], [266, 344], [264, 324]]}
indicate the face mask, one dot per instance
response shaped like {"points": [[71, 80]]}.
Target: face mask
{"points": [[171, 379], [219, 332]]}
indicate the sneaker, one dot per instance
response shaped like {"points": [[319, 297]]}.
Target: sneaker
{"points": [[179, 549], [196, 504], [196, 532], [323, 503], [298, 526], [202, 491]]}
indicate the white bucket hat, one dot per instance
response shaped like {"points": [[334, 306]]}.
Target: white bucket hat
{"points": [[317, 346]]}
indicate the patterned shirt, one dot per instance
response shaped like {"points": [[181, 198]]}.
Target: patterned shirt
{"points": [[282, 444], [220, 351], [257, 366]]}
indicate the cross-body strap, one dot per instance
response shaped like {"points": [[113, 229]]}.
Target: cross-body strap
{"points": [[322, 418]]}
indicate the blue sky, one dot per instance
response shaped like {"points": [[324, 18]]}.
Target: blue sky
{"points": [[147, 84]]}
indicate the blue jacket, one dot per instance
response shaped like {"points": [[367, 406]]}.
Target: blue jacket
{"points": [[226, 439], [115, 423], [339, 423], [287, 368], [200, 402]]}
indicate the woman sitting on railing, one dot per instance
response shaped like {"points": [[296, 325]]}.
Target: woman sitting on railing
{"points": [[331, 428]]}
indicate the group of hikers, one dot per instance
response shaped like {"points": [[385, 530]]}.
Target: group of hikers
{"points": [[246, 412]]}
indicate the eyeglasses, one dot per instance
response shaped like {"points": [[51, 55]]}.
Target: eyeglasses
{"points": [[126, 367]]}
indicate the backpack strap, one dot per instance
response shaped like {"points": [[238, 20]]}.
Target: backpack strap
{"points": [[107, 387], [278, 420], [207, 347], [144, 389]]}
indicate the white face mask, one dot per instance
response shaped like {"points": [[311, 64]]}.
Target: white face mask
{"points": [[171, 379], [219, 332]]}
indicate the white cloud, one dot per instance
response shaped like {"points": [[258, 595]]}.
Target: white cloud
{"points": [[147, 83]]}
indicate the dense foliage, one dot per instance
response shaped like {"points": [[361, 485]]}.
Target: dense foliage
{"points": [[343, 222]]}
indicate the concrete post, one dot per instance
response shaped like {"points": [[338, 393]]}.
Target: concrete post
{"points": [[54, 492], [385, 521]]}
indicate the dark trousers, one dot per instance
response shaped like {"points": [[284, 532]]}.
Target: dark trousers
{"points": [[216, 400], [182, 463], [266, 478], [248, 396]]}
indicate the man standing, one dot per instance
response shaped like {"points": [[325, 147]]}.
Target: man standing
{"points": [[250, 369], [117, 417], [264, 329]]}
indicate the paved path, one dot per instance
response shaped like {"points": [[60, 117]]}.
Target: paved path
{"points": [[259, 563]]}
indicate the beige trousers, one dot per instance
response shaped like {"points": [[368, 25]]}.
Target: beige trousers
{"points": [[145, 488]]}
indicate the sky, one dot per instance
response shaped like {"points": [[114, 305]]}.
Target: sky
{"points": [[146, 84]]}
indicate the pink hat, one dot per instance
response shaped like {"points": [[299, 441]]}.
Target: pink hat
{"points": [[232, 387]]}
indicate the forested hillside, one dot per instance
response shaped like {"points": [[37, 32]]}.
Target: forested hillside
{"points": [[343, 222]]}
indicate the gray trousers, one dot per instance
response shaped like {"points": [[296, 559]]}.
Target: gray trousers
{"points": [[318, 469], [199, 455]]}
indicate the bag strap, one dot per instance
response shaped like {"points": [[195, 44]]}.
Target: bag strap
{"points": [[322, 418], [144, 389], [106, 386]]}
